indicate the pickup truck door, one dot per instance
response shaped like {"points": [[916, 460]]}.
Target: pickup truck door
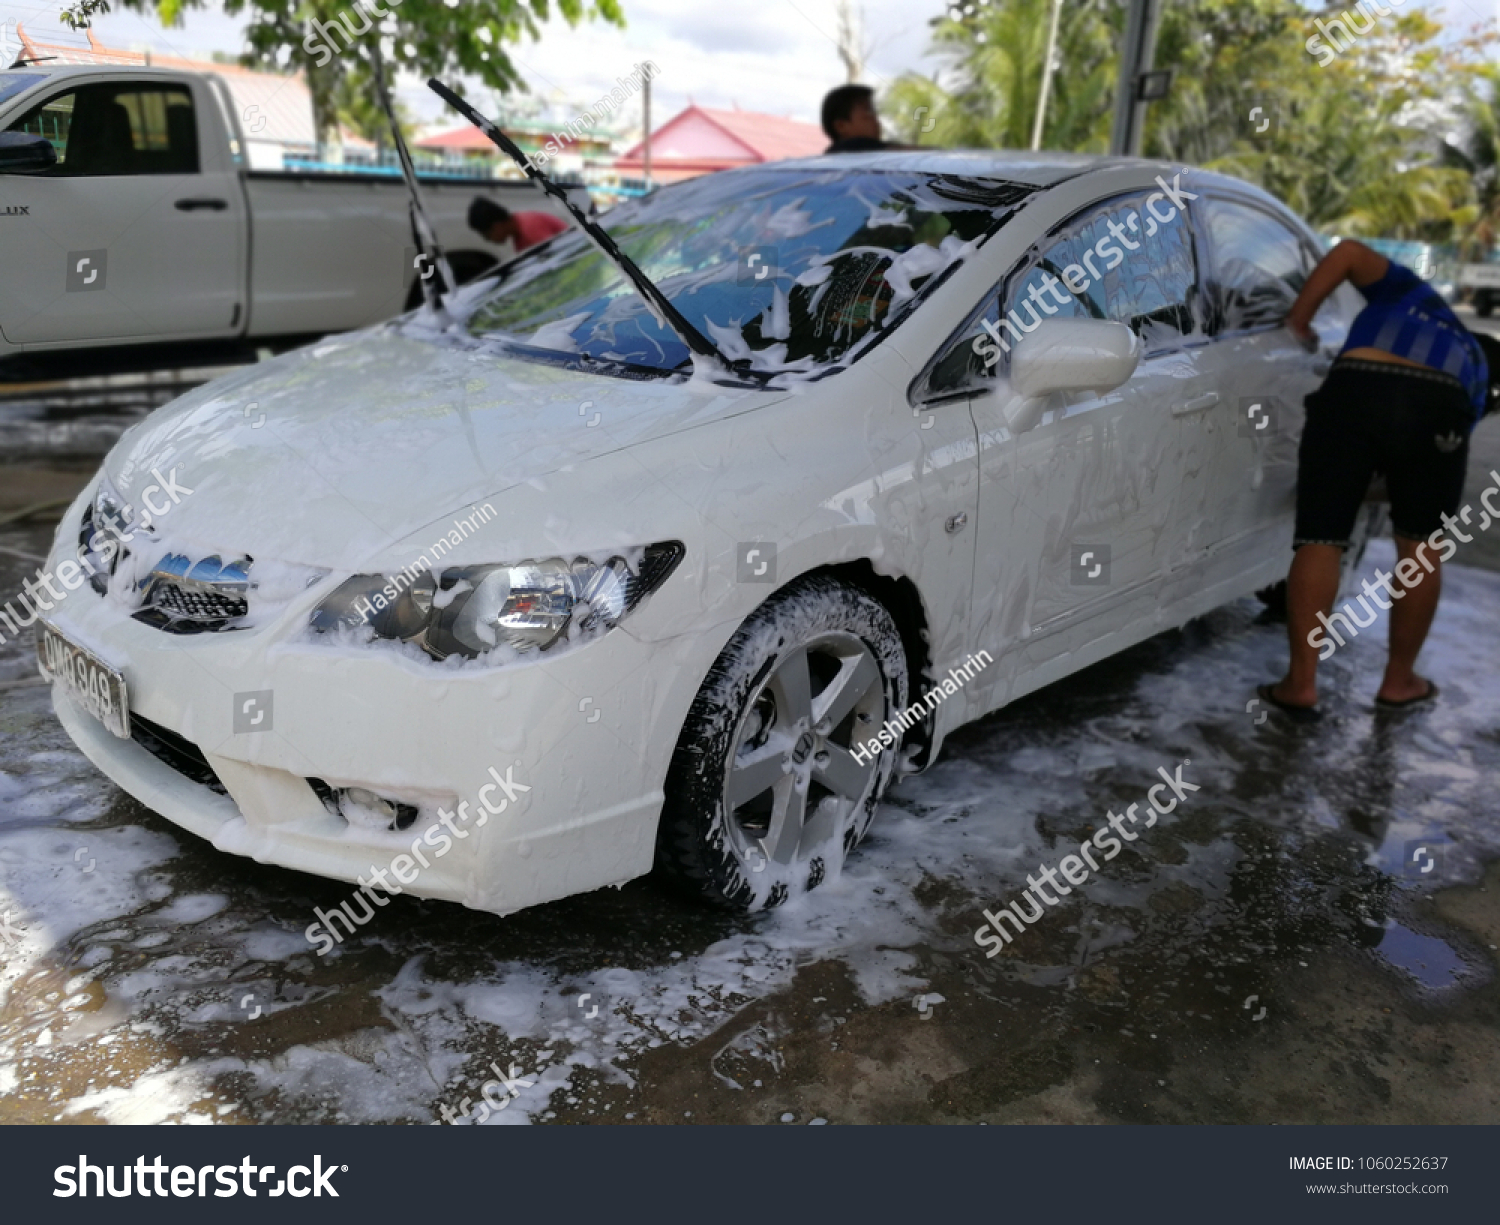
{"points": [[139, 232]]}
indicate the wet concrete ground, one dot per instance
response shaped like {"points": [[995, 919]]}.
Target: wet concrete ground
{"points": [[1266, 953]]}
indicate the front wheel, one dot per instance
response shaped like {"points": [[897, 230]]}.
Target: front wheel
{"points": [[766, 794]]}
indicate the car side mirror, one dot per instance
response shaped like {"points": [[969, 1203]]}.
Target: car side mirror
{"points": [[24, 153], [1073, 355]]}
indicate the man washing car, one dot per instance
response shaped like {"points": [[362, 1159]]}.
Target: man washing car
{"points": [[1401, 398], [499, 225]]}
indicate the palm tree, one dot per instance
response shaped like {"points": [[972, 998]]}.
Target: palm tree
{"points": [[1477, 153], [994, 60]]}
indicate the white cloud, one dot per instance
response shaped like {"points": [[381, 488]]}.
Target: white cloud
{"points": [[777, 56]]}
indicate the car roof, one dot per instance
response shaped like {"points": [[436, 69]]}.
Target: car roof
{"points": [[1034, 168], [1030, 168]]}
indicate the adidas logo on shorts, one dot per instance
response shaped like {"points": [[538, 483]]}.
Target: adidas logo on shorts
{"points": [[1448, 442]]}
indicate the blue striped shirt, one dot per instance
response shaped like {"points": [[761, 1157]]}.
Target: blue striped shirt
{"points": [[1406, 317]]}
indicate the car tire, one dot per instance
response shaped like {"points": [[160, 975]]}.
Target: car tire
{"points": [[1483, 305], [764, 797], [1274, 598]]}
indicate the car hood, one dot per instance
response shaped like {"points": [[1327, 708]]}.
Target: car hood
{"points": [[328, 455]]}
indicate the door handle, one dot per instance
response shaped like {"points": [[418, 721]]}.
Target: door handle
{"points": [[187, 206], [1196, 405]]}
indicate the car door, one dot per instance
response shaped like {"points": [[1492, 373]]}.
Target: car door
{"points": [[1076, 516], [136, 232], [1258, 263]]}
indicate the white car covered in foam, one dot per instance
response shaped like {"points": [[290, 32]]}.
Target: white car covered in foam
{"points": [[526, 599]]}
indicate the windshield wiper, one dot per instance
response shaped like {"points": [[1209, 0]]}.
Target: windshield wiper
{"points": [[422, 232], [657, 302]]}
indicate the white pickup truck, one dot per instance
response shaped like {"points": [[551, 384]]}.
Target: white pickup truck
{"points": [[143, 224]]}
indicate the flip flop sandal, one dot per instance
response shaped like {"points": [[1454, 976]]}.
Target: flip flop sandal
{"points": [[1298, 714], [1420, 699]]}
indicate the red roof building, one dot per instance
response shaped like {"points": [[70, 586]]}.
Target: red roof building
{"points": [[701, 139]]}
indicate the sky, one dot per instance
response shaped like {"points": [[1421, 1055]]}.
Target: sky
{"points": [[777, 56]]}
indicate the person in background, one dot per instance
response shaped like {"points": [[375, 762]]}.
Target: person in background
{"points": [[851, 123], [499, 225], [1401, 398]]}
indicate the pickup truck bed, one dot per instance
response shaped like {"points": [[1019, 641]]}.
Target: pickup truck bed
{"points": [[153, 231]]}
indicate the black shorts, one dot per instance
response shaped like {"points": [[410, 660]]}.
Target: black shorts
{"points": [[1409, 422]]}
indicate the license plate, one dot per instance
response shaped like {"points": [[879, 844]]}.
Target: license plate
{"points": [[86, 678]]}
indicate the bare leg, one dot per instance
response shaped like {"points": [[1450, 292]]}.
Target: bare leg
{"points": [[1311, 587], [1411, 618]]}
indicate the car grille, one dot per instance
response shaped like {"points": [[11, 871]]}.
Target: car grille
{"points": [[176, 751], [175, 601], [181, 596]]}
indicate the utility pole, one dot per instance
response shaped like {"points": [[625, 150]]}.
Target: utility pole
{"points": [[646, 123], [1136, 57], [1041, 103]]}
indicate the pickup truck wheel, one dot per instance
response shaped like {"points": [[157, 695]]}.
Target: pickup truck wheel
{"points": [[1483, 304], [467, 266], [764, 796]]}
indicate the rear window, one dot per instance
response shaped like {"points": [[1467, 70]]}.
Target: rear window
{"points": [[1259, 265], [786, 272]]}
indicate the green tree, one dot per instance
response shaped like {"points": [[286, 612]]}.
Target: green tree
{"points": [[1359, 146], [1359, 141], [1475, 151], [429, 37], [993, 69]]}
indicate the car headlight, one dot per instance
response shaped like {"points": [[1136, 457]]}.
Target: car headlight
{"points": [[469, 610], [98, 544]]}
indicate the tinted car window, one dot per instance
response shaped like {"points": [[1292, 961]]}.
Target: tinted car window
{"points": [[116, 129], [786, 272], [14, 83], [1121, 260], [1259, 265]]}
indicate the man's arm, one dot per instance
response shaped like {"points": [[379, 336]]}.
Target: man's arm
{"points": [[1351, 261]]}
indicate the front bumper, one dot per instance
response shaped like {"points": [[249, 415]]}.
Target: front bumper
{"points": [[588, 733]]}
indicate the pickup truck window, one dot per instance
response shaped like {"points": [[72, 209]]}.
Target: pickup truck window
{"points": [[14, 83], [118, 129]]}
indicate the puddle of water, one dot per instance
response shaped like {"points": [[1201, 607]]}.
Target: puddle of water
{"points": [[1432, 962]]}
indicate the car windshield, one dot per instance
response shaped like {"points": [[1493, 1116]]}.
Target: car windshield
{"points": [[786, 272]]}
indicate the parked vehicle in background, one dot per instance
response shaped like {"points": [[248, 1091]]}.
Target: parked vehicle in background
{"points": [[1484, 281], [147, 226]]}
